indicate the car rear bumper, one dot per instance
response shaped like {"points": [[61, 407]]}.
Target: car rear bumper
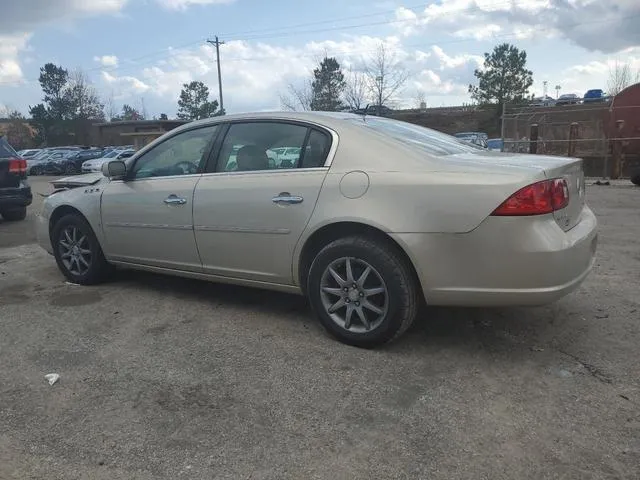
{"points": [[16, 196], [505, 261]]}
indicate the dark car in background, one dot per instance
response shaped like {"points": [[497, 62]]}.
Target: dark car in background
{"points": [[15, 193], [55, 163], [71, 163], [568, 99]]}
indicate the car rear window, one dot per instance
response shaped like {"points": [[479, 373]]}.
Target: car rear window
{"points": [[431, 141], [6, 150]]}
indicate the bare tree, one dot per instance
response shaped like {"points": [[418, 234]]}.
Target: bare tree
{"points": [[356, 92], [110, 109], [385, 75], [421, 99], [84, 98], [297, 98], [620, 77]]}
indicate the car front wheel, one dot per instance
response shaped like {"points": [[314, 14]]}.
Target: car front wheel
{"points": [[363, 291], [77, 251]]}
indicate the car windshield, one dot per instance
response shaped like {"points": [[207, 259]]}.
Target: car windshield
{"points": [[112, 154], [433, 142]]}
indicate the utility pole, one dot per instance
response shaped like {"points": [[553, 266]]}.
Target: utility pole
{"points": [[217, 43]]}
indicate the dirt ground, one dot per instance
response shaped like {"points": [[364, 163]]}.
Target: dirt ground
{"points": [[167, 378]]}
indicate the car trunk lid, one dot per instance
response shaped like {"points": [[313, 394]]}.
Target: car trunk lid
{"points": [[572, 172], [535, 167]]}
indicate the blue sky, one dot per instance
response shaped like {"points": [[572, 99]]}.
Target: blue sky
{"points": [[142, 51]]}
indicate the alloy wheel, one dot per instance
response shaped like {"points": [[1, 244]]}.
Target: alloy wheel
{"points": [[75, 250], [354, 295]]}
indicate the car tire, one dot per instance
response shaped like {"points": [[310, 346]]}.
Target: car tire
{"points": [[70, 169], [35, 171], [387, 313], [15, 215], [92, 268], [635, 178]]}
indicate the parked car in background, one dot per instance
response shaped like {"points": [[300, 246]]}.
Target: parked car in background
{"points": [[34, 165], [95, 165], [72, 163], [543, 102], [478, 139], [56, 163], [30, 153], [594, 95], [495, 144], [568, 99], [382, 110], [378, 217], [15, 192]]}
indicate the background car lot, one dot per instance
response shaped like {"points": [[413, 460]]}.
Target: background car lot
{"points": [[167, 378]]}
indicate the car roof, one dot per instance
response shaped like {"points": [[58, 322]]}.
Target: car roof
{"points": [[327, 119]]}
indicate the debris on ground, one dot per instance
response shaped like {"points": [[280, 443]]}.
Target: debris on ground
{"points": [[52, 378]]}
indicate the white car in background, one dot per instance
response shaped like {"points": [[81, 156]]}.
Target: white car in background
{"points": [[95, 165], [29, 153]]}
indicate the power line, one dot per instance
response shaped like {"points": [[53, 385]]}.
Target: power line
{"points": [[290, 33], [242, 59]]}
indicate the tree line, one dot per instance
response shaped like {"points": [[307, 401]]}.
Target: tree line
{"points": [[70, 103]]}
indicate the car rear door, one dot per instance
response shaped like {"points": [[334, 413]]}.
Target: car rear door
{"points": [[248, 221]]}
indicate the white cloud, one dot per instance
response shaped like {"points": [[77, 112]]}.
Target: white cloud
{"points": [[184, 4], [10, 48], [592, 24], [124, 86], [107, 60], [254, 75]]}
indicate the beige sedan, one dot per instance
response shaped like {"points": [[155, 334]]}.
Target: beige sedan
{"points": [[371, 220]]}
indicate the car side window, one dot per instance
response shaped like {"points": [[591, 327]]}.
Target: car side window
{"points": [[316, 149], [181, 154], [256, 146]]}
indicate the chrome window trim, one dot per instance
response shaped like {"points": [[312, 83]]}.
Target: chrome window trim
{"points": [[271, 171]]}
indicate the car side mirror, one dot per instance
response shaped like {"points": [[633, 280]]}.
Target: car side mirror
{"points": [[114, 169]]}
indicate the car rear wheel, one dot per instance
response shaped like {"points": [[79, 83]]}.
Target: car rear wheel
{"points": [[77, 251], [15, 214], [70, 169], [363, 291], [35, 171]]}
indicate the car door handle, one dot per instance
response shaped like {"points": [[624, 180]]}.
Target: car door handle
{"points": [[175, 200], [285, 198]]}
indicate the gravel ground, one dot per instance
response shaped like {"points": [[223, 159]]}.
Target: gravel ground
{"points": [[167, 378]]}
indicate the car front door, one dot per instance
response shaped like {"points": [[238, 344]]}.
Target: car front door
{"points": [[248, 213], [148, 217]]}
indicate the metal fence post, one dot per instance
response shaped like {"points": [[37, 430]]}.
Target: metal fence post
{"points": [[533, 138], [617, 151], [573, 134]]}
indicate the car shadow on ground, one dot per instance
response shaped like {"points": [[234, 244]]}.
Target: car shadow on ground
{"points": [[493, 329]]}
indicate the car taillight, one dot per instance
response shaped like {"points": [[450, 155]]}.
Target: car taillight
{"points": [[18, 166], [536, 199]]}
